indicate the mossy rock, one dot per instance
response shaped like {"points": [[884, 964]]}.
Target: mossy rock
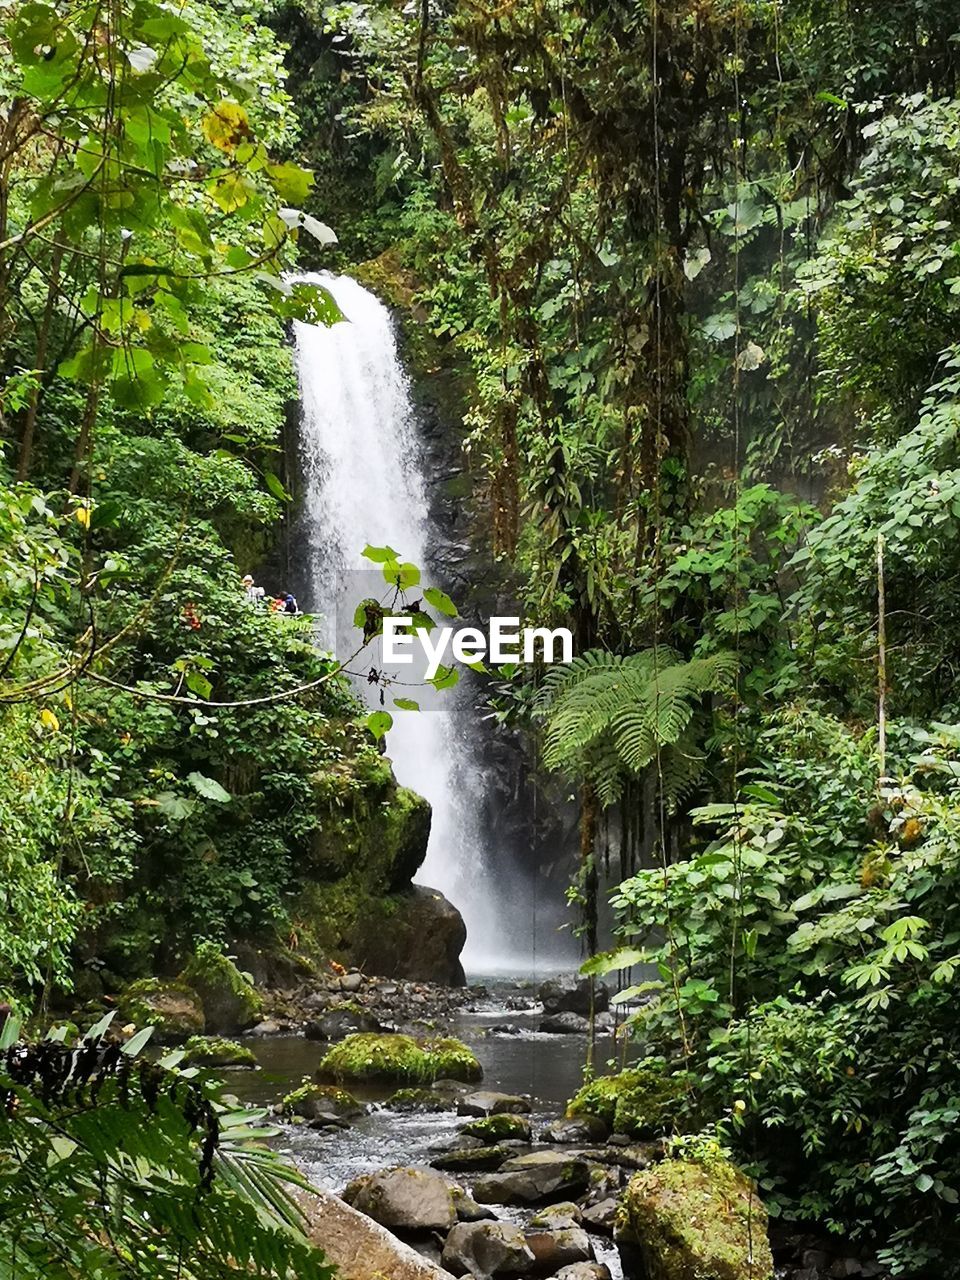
{"points": [[686, 1220], [452, 1060], [499, 1128], [398, 1059], [321, 1102], [230, 1001], [216, 1051], [173, 1008], [639, 1101]]}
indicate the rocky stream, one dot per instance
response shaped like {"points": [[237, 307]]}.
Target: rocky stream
{"points": [[487, 1175]]}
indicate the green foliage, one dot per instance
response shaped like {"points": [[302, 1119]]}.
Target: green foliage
{"points": [[820, 923], [115, 1166], [608, 716]]}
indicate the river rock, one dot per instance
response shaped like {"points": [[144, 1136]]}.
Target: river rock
{"points": [[601, 1217], [468, 1210], [578, 1129], [269, 1027], [485, 1249], [564, 1214], [336, 1024], [321, 1104], [351, 982], [471, 1161], [533, 1179], [487, 1103], [568, 994], [405, 1199], [423, 942], [565, 1024], [500, 1127], [360, 1248], [560, 1248]]}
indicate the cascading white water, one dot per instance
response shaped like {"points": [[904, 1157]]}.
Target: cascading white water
{"points": [[363, 484]]}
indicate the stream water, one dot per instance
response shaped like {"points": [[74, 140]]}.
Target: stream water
{"points": [[547, 1068]]}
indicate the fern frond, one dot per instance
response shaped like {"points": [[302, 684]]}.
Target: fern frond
{"points": [[606, 716]]}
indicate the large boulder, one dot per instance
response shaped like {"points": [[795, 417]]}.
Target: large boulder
{"points": [[683, 1220], [421, 938], [389, 1058], [360, 1248], [485, 1249], [230, 1001], [536, 1178], [173, 1009], [410, 1199], [570, 994]]}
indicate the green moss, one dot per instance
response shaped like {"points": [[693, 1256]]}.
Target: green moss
{"points": [[174, 1008], [313, 1100], [216, 1051], [452, 1060], [497, 1128], [638, 1101], [399, 1059], [229, 999], [688, 1220]]}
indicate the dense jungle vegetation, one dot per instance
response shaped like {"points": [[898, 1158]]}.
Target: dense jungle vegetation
{"points": [[694, 270]]}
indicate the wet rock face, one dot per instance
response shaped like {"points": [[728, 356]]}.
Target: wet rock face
{"points": [[420, 942], [410, 1199]]}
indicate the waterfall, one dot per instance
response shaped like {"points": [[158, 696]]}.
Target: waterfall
{"points": [[363, 483]]}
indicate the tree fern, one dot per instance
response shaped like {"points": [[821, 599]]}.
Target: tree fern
{"points": [[606, 716]]}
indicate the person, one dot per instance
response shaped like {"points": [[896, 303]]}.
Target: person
{"points": [[290, 604], [255, 594]]}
